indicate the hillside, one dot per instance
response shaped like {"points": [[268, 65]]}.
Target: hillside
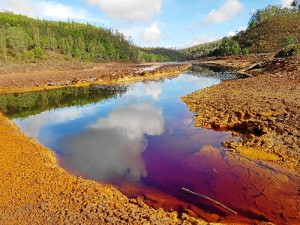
{"points": [[201, 49], [270, 30], [26, 39], [170, 53]]}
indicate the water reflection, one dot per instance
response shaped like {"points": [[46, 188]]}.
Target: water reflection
{"points": [[22, 105], [112, 147], [153, 89]]}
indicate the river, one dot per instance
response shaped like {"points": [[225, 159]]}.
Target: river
{"points": [[141, 138]]}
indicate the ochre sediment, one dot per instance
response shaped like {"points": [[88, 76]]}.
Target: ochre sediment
{"points": [[264, 110]]}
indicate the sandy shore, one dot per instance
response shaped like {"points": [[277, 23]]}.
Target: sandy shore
{"points": [[263, 110]]}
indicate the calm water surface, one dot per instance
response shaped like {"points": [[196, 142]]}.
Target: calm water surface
{"points": [[141, 138], [116, 139]]}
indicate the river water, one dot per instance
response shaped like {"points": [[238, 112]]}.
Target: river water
{"points": [[141, 138]]}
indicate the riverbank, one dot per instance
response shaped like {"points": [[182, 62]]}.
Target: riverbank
{"points": [[34, 190], [263, 110], [36, 77]]}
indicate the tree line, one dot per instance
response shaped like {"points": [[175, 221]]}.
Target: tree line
{"points": [[24, 38]]}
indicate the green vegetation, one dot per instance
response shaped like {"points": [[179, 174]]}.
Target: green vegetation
{"points": [[201, 49], [21, 105], [26, 39], [229, 46], [271, 29], [168, 53], [290, 50]]}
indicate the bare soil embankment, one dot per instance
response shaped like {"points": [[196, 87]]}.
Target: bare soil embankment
{"points": [[263, 110]]}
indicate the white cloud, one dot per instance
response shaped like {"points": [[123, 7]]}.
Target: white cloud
{"points": [[151, 34], [286, 3], [153, 89], [45, 9], [33, 124], [199, 40], [135, 10], [224, 13], [232, 33], [112, 147]]}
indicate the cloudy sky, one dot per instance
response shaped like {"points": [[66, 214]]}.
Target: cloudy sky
{"points": [[168, 23]]}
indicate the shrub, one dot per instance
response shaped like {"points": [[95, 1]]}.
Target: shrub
{"points": [[28, 56], [290, 50], [245, 51], [228, 47], [38, 52]]}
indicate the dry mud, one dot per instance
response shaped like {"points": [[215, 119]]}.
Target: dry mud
{"points": [[263, 110]]}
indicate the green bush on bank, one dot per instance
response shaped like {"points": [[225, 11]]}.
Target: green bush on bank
{"points": [[229, 47], [290, 50]]}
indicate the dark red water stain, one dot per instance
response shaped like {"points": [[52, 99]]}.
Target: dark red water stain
{"points": [[254, 192]]}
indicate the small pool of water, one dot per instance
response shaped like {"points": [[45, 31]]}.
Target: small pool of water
{"points": [[141, 138]]}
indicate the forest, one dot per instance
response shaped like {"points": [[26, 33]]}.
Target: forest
{"points": [[27, 39]]}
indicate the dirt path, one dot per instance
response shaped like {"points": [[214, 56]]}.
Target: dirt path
{"points": [[263, 110]]}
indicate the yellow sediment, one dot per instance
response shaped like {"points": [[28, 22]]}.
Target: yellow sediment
{"points": [[256, 154]]}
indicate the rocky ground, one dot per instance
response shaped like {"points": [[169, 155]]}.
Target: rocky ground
{"points": [[263, 110]]}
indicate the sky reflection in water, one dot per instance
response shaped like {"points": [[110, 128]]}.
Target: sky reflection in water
{"points": [[107, 140]]}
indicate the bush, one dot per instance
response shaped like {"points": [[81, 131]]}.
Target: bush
{"points": [[38, 52], [28, 56], [228, 47], [245, 51], [290, 50]]}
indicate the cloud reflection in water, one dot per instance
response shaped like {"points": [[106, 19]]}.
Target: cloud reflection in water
{"points": [[113, 146]]}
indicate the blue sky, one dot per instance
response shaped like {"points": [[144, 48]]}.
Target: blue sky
{"points": [[167, 23]]}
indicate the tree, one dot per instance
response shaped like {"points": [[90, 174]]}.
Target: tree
{"points": [[3, 50], [16, 40], [294, 4], [228, 47]]}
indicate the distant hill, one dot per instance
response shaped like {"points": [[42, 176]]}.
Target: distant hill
{"points": [[201, 50], [173, 54], [270, 30], [27, 39]]}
